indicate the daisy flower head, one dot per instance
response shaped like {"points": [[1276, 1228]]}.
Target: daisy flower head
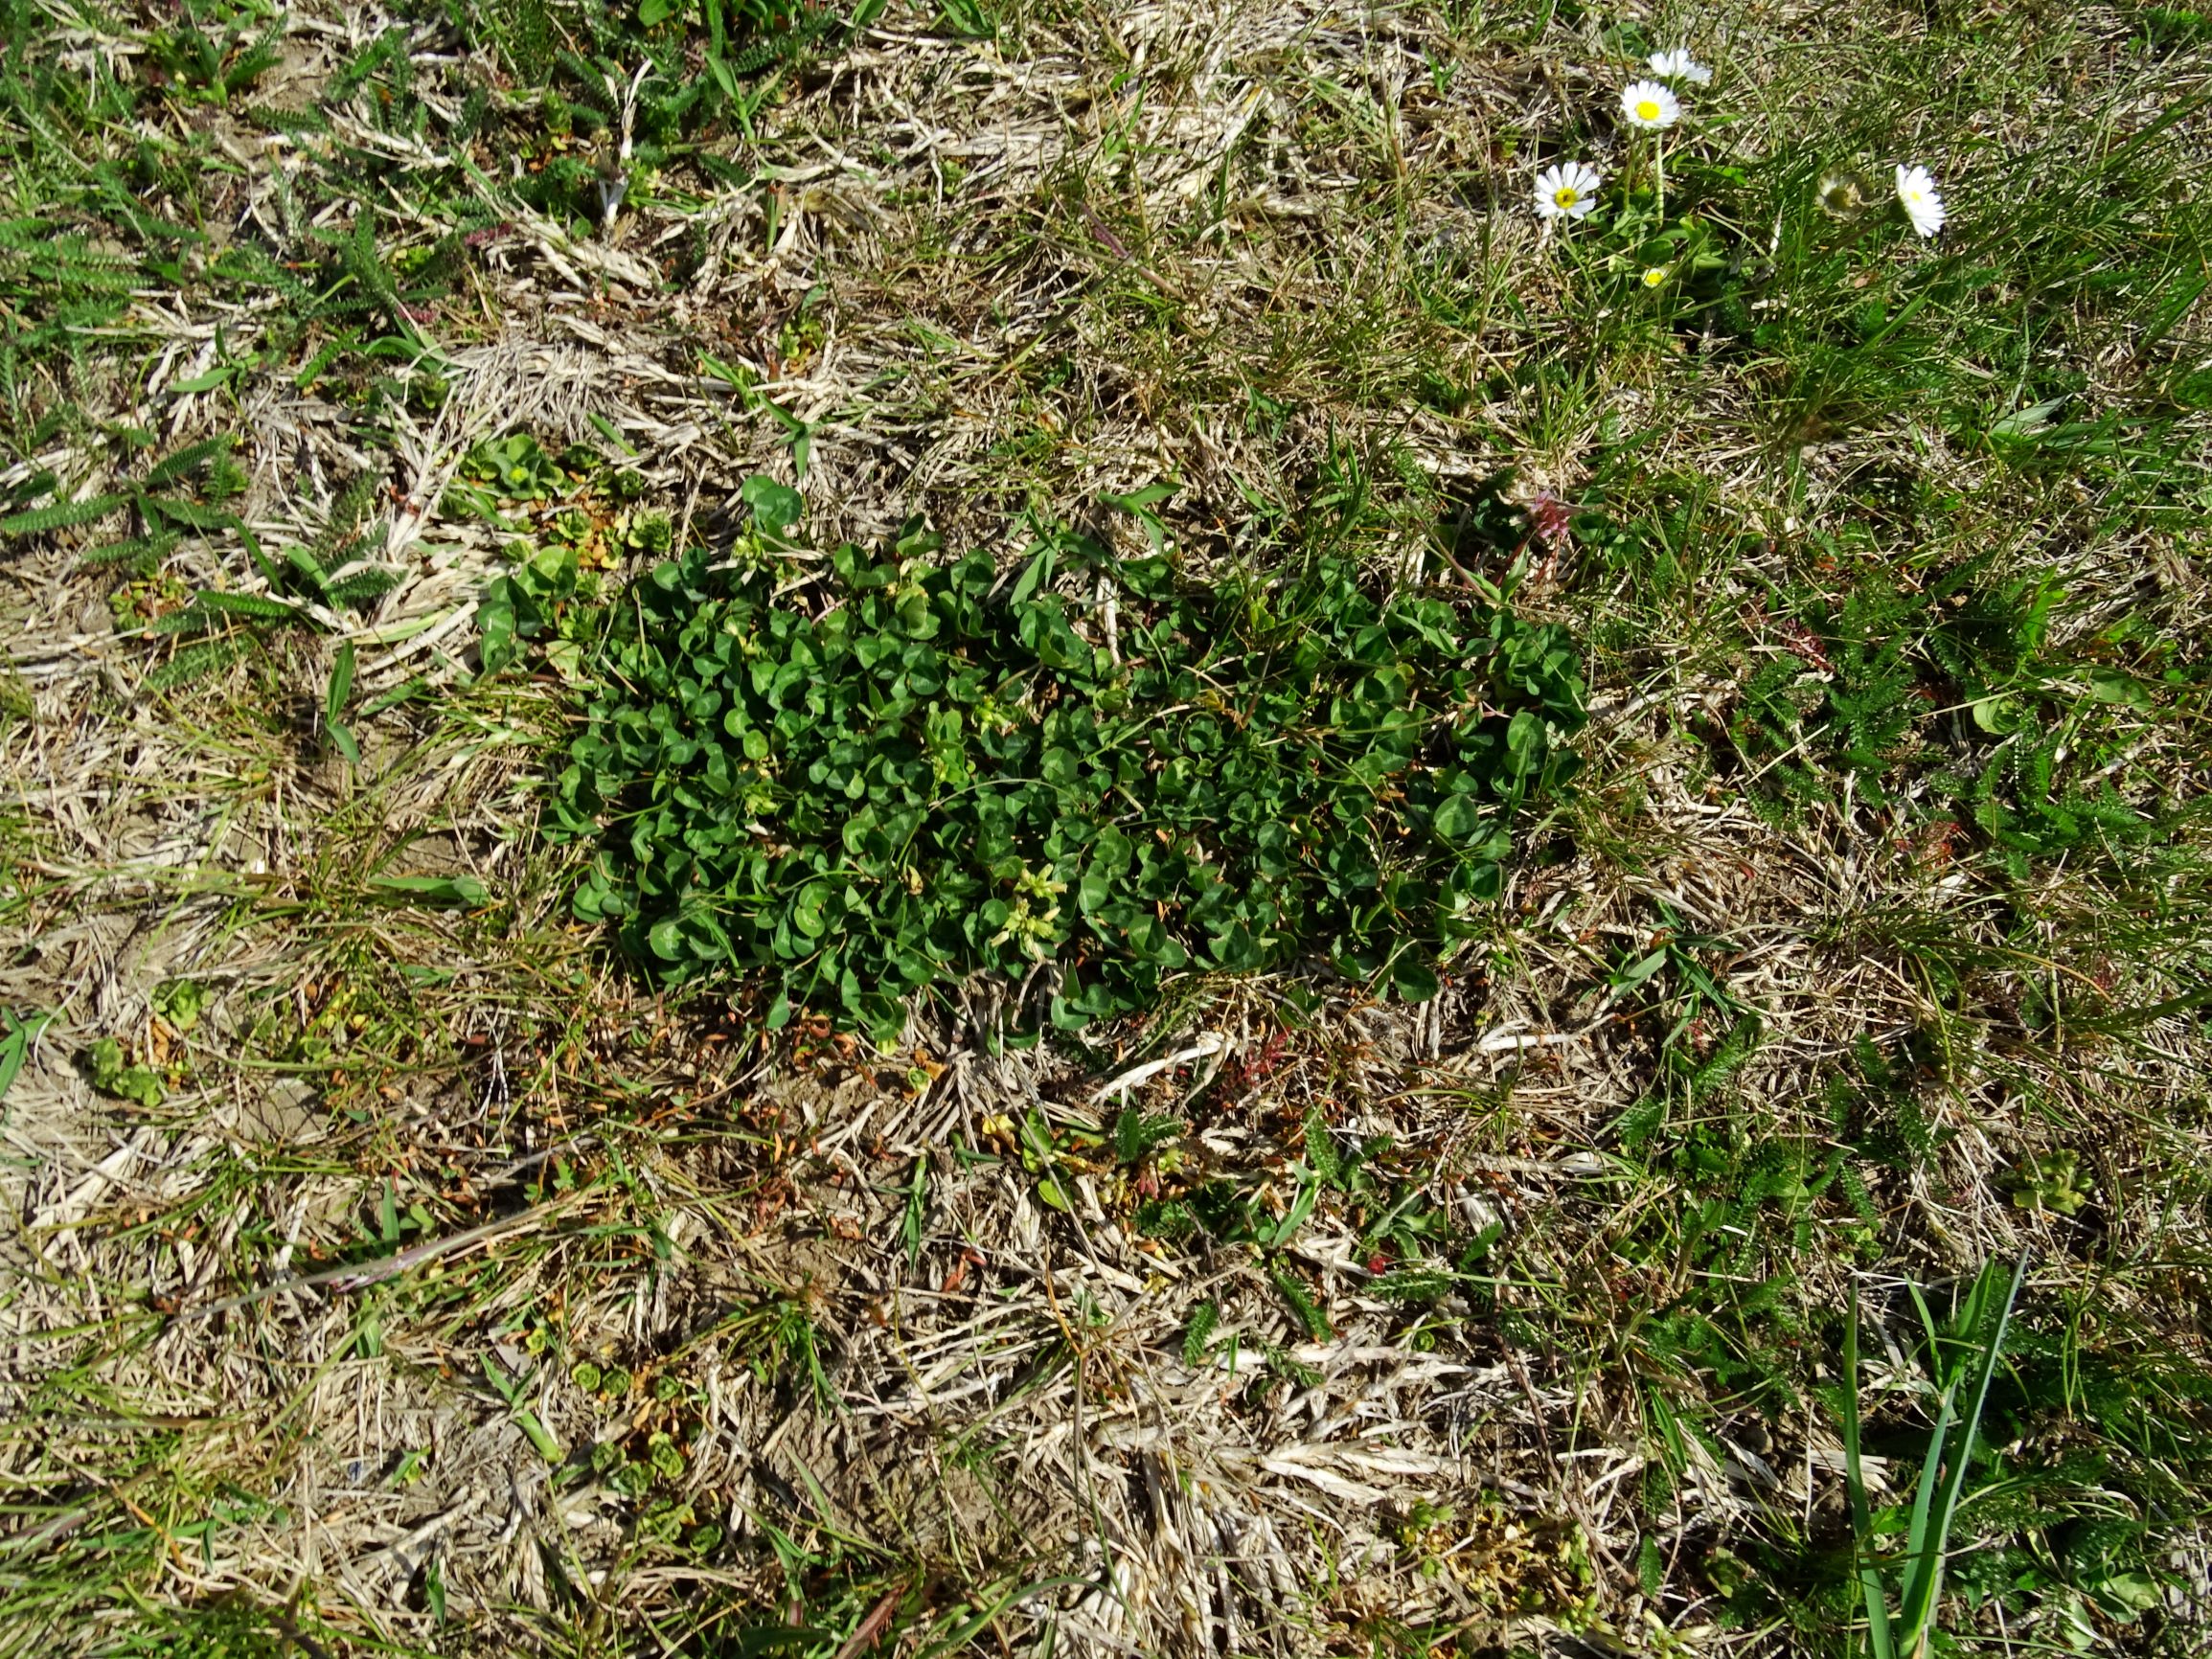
{"points": [[1922, 201], [1654, 275], [1677, 64], [1567, 189], [1649, 105], [1843, 193]]}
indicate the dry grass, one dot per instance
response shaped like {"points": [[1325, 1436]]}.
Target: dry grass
{"points": [[292, 1348]]}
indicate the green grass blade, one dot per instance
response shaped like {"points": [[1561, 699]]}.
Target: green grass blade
{"points": [[1926, 1583], [341, 687], [1014, 1593], [1918, 1546], [16, 1046], [1878, 1634]]}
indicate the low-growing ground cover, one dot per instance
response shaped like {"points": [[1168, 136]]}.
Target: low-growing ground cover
{"points": [[1242, 830], [924, 784]]}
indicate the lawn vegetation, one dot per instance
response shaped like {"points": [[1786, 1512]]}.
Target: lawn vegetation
{"points": [[989, 827]]}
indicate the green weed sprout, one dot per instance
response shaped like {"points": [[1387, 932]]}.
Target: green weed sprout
{"points": [[2053, 1182]]}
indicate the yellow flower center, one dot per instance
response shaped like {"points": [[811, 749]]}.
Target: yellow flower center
{"points": [[1648, 110], [1566, 196]]}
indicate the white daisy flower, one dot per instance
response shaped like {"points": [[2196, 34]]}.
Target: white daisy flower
{"points": [[1842, 193], [1568, 189], [1677, 64], [1923, 201], [1649, 105], [1654, 275]]}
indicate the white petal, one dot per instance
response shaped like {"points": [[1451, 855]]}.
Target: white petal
{"points": [[1922, 201], [1648, 105], [1677, 64], [1576, 178]]}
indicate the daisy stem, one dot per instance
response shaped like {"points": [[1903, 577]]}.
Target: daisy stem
{"points": [[1659, 175]]}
